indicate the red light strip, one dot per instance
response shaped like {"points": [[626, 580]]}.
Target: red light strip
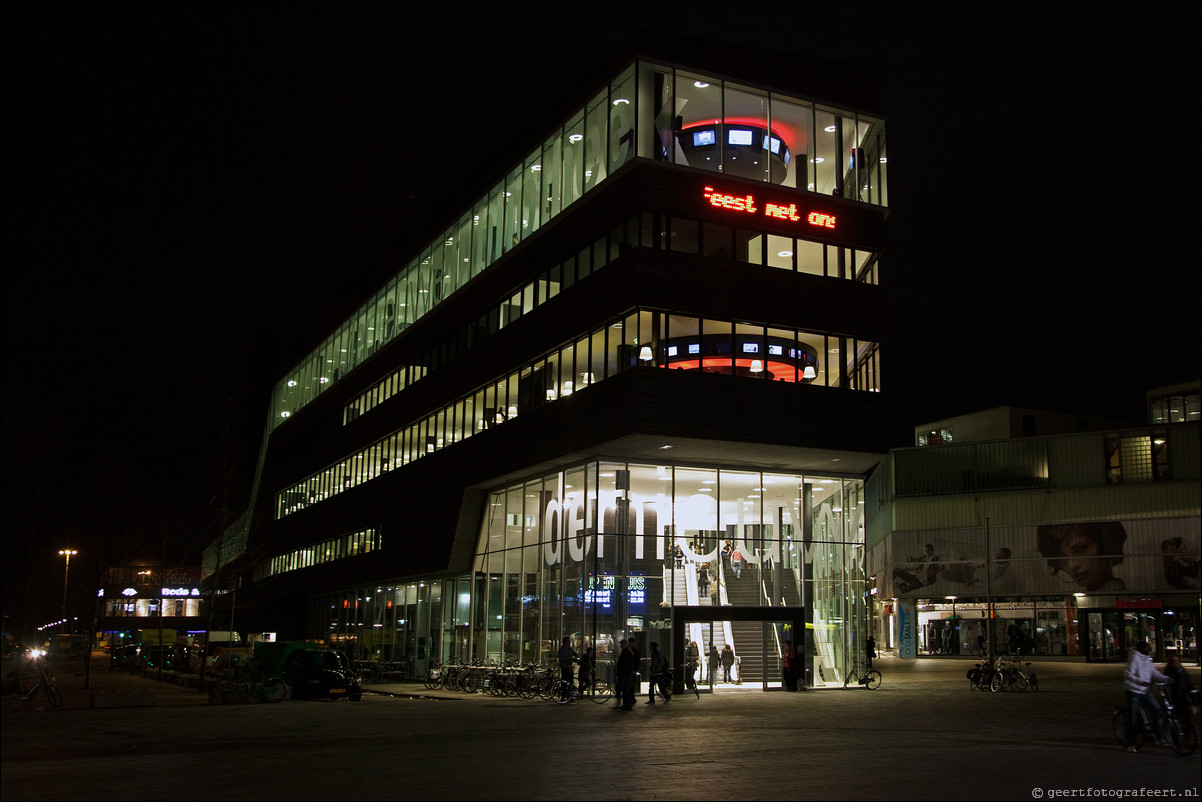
{"points": [[734, 203]]}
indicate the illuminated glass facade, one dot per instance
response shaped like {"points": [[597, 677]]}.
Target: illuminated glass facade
{"points": [[648, 111], [652, 343]]}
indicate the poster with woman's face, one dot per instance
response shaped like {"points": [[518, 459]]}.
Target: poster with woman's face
{"points": [[1094, 557]]}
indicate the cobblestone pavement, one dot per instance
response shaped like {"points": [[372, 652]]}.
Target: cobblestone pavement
{"points": [[922, 735]]}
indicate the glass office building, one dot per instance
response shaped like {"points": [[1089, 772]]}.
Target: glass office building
{"points": [[631, 389]]}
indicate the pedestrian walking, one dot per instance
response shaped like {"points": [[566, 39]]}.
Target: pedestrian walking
{"points": [[728, 661]]}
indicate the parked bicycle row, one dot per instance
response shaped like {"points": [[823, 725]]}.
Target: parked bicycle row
{"points": [[526, 681], [1002, 674]]}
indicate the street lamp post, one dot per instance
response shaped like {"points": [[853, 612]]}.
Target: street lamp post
{"points": [[67, 553]]}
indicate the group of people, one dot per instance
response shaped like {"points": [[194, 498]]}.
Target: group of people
{"points": [[1141, 673]]}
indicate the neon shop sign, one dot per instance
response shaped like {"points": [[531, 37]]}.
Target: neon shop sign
{"points": [[749, 205]]}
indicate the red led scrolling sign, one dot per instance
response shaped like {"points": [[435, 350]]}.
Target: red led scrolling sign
{"points": [[747, 203]]}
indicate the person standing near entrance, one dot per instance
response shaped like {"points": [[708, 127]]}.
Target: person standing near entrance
{"points": [[624, 689], [714, 659], [789, 668], [567, 655], [870, 650], [588, 667], [692, 661]]}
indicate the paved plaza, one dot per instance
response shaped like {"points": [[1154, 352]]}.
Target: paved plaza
{"points": [[922, 735]]}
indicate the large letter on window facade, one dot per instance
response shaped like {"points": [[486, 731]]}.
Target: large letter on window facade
{"points": [[552, 546], [577, 540]]}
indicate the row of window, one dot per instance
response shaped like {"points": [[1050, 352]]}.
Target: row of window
{"points": [[340, 547], [642, 339], [833, 152], [149, 608], [1177, 408], [648, 230]]}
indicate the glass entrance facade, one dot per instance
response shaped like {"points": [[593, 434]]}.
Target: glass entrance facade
{"points": [[606, 550]]}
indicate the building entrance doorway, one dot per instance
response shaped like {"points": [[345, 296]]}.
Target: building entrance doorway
{"points": [[740, 647]]}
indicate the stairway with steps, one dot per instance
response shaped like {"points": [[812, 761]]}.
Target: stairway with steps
{"points": [[748, 635]]}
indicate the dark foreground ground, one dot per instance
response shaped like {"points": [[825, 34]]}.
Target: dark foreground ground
{"points": [[922, 735]]}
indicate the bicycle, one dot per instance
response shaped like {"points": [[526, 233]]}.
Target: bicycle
{"points": [[1008, 676], [870, 678], [563, 691], [662, 686], [597, 691], [45, 682], [1179, 729], [980, 676]]}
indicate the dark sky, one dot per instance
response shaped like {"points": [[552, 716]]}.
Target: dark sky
{"points": [[179, 178]]}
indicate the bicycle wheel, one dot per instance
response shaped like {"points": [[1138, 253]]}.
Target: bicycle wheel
{"points": [[240, 692], [600, 692], [995, 684], [1182, 735], [56, 699], [1119, 726], [1020, 682], [561, 692], [273, 690], [872, 679]]}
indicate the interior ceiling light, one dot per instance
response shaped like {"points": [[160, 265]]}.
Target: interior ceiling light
{"points": [[575, 137], [620, 101], [785, 254], [830, 129], [700, 84]]}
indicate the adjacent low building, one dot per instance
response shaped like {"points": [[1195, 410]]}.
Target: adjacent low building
{"points": [[1080, 535]]}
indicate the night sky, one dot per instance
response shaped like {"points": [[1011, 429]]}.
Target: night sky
{"points": [[182, 182]]}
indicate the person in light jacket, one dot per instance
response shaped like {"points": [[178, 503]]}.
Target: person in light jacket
{"points": [[1138, 679]]}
